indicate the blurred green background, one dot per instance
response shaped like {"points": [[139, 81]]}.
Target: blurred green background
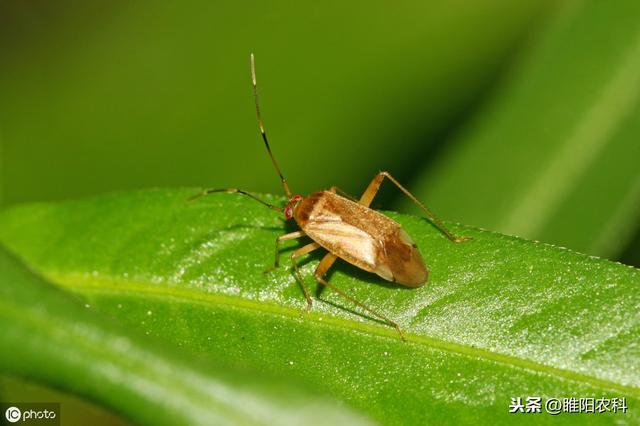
{"points": [[519, 117], [101, 96]]}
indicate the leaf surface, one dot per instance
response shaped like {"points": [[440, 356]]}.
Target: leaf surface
{"points": [[500, 317], [51, 338]]}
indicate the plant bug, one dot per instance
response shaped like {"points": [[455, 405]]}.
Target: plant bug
{"points": [[348, 229]]}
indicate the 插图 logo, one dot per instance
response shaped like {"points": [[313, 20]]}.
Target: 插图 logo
{"points": [[13, 414], [26, 413]]}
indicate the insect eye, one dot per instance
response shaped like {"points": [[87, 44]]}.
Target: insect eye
{"points": [[288, 213]]}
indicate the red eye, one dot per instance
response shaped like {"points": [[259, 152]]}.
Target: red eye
{"points": [[288, 210]]}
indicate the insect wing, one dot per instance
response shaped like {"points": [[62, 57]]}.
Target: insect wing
{"points": [[345, 240]]}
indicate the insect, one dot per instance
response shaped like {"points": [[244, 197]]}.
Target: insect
{"points": [[348, 229]]}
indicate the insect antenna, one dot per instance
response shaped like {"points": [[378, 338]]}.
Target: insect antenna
{"points": [[235, 191], [262, 132]]}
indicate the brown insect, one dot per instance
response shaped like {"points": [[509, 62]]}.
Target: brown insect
{"points": [[348, 229]]}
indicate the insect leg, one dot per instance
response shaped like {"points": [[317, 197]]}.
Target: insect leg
{"points": [[374, 186], [320, 272], [285, 237], [236, 191], [339, 191], [301, 252]]}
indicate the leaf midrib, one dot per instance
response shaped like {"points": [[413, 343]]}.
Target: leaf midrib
{"points": [[82, 283]]}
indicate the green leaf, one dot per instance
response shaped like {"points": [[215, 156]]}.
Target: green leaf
{"points": [[554, 156], [49, 337], [500, 317]]}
